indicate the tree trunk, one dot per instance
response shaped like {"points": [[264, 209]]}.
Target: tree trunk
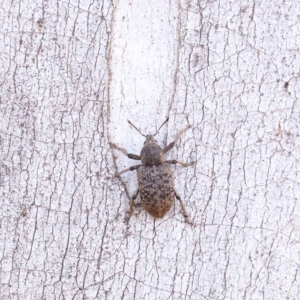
{"points": [[72, 74]]}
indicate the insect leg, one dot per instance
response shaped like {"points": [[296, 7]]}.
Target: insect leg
{"points": [[132, 203], [128, 169], [171, 145], [130, 155], [185, 214], [175, 161]]}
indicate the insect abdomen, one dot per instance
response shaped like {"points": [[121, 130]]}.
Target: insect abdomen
{"points": [[156, 186]]}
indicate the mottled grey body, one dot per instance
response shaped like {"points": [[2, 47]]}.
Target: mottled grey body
{"points": [[156, 186], [152, 154], [155, 177]]}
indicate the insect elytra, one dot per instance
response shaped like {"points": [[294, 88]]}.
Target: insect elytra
{"points": [[155, 176]]}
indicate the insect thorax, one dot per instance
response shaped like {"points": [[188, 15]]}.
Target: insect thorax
{"points": [[152, 154]]}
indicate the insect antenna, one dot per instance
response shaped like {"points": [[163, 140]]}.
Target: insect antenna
{"points": [[161, 126], [135, 128]]}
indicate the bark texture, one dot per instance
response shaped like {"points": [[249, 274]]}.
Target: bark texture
{"points": [[72, 73]]}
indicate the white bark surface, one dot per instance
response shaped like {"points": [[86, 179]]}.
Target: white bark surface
{"points": [[72, 73]]}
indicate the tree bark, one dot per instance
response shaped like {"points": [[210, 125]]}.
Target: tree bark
{"points": [[72, 74]]}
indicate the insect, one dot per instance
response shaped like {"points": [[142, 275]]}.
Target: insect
{"points": [[155, 176]]}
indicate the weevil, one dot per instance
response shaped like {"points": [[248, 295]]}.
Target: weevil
{"points": [[155, 176]]}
